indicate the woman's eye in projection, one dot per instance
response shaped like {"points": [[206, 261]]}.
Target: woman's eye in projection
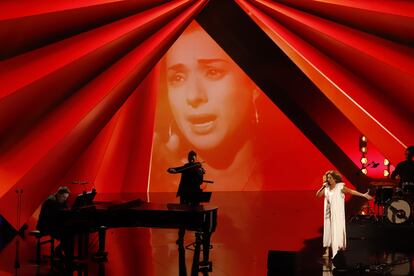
{"points": [[214, 73], [176, 78]]}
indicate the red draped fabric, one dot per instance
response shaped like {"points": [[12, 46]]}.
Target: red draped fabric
{"points": [[72, 86], [359, 56], [79, 83]]}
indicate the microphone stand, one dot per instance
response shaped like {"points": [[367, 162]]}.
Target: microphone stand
{"points": [[19, 208]]}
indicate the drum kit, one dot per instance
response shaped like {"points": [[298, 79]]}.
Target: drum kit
{"points": [[394, 203]]}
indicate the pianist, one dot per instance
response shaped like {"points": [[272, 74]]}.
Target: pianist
{"points": [[51, 222], [191, 183]]}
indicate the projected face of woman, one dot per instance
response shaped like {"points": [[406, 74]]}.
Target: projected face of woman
{"points": [[210, 97]]}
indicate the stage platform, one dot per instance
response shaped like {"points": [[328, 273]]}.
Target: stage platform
{"points": [[250, 224], [380, 229]]}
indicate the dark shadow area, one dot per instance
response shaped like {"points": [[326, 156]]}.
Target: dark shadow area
{"points": [[88, 18], [7, 232]]}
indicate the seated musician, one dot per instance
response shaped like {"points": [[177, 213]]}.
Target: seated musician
{"points": [[51, 222], [405, 170], [191, 183]]}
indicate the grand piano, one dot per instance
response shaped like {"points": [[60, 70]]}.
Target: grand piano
{"points": [[202, 219]]}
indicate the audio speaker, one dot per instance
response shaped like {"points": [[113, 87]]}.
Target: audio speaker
{"points": [[351, 259], [281, 263]]}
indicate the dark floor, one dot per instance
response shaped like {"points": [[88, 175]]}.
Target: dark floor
{"points": [[249, 225]]}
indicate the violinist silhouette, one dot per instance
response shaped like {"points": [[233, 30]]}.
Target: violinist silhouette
{"points": [[191, 184]]}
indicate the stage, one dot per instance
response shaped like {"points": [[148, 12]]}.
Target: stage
{"points": [[249, 225]]}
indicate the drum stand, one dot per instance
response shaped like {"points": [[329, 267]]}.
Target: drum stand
{"points": [[383, 196], [381, 213]]}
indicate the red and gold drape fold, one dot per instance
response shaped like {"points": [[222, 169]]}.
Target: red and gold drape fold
{"points": [[62, 100], [365, 69], [78, 83]]}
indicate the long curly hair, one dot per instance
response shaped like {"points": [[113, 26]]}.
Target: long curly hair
{"points": [[335, 175]]}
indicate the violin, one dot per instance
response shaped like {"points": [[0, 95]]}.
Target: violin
{"points": [[194, 165]]}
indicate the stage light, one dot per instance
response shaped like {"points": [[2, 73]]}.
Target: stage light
{"points": [[363, 210], [363, 148], [366, 210], [363, 144], [387, 165]]}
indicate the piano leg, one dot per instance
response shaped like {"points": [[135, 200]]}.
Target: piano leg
{"points": [[102, 239], [83, 242], [196, 258], [202, 238], [101, 255], [206, 266], [182, 269]]}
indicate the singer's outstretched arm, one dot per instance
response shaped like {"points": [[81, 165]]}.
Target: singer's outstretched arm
{"points": [[354, 192]]}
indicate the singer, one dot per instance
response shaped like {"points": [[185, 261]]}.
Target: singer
{"points": [[334, 232]]}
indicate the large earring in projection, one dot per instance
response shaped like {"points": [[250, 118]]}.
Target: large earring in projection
{"points": [[173, 141], [256, 113], [170, 132]]}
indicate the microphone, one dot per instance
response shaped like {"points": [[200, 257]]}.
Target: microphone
{"points": [[323, 186]]}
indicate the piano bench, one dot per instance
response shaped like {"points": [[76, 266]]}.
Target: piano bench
{"points": [[42, 239]]}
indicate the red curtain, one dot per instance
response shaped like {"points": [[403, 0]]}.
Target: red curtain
{"points": [[360, 56], [78, 83], [71, 77]]}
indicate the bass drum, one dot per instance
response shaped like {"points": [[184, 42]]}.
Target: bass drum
{"points": [[398, 211]]}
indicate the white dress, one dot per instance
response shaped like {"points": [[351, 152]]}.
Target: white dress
{"points": [[334, 233]]}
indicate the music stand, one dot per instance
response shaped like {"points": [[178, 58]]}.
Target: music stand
{"points": [[201, 197], [84, 199], [194, 203]]}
